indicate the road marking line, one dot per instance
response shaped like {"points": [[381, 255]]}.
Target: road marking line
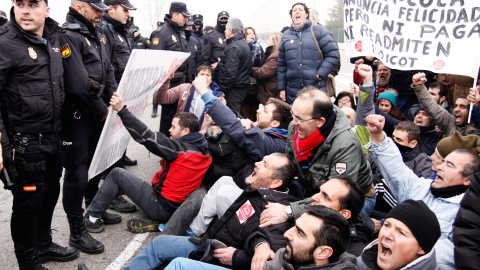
{"points": [[128, 252]]}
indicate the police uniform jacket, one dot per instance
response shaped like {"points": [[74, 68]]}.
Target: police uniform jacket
{"points": [[31, 79], [84, 58], [214, 43], [170, 37], [114, 37], [195, 44]]}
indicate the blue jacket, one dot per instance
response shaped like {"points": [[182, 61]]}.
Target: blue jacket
{"points": [[255, 142], [299, 62], [405, 185]]}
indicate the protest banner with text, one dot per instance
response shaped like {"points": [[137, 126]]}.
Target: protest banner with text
{"points": [[146, 71], [442, 36]]}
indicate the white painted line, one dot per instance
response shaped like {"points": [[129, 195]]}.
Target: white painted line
{"points": [[129, 251]]}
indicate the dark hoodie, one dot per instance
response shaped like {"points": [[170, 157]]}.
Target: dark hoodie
{"points": [[184, 161]]}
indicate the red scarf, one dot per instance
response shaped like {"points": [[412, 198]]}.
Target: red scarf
{"points": [[303, 148]]}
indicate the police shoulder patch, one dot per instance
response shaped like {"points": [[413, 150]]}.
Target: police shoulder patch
{"points": [[65, 50], [155, 41]]}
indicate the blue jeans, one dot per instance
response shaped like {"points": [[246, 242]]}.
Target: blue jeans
{"points": [[188, 264], [163, 248], [369, 204]]}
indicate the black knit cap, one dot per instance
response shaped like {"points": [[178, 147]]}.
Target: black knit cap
{"points": [[421, 221]]}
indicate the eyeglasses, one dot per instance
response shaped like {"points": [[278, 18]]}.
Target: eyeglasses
{"points": [[345, 100], [300, 121]]}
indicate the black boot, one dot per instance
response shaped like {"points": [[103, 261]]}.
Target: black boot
{"points": [[81, 239], [49, 251], [28, 260]]}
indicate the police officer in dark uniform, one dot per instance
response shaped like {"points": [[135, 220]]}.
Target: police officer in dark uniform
{"points": [[214, 43], [135, 37], [114, 25], [195, 44], [89, 84], [32, 95], [171, 37]]}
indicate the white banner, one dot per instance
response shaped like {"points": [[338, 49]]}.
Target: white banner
{"points": [[442, 36], [146, 71]]}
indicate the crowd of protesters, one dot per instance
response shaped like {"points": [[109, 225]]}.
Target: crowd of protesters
{"points": [[262, 167]]}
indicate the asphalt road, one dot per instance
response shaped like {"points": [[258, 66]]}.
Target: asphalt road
{"points": [[120, 245]]}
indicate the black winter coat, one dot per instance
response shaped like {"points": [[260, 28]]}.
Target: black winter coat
{"points": [[230, 231], [117, 45], [31, 79], [466, 229], [85, 58], [214, 43], [235, 64], [299, 61], [170, 37]]}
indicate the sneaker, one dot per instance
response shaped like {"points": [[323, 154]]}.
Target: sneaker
{"points": [[143, 225], [121, 205], [94, 227], [189, 233], [110, 219], [162, 226]]}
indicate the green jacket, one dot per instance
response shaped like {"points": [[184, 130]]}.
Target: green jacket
{"points": [[341, 147]]}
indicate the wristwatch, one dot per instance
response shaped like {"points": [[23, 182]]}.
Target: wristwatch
{"points": [[289, 212]]}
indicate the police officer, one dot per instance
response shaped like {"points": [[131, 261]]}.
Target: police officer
{"points": [[32, 95], [171, 37], [214, 43], [89, 84], [135, 37], [114, 25], [195, 43]]}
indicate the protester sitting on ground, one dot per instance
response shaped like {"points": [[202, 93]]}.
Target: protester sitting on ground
{"points": [[429, 136], [317, 241], [185, 159], [257, 140], [322, 145], [239, 233], [406, 240], [441, 195], [187, 99], [386, 103], [345, 99], [443, 119], [467, 227], [341, 194]]}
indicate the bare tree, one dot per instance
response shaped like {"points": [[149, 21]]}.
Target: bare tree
{"points": [[152, 12]]}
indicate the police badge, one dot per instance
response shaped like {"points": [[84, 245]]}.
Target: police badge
{"points": [[174, 38], [104, 40], [88, 41], [32, 53], [65, 50], [220, 40], [155, 41], [119, 37]]}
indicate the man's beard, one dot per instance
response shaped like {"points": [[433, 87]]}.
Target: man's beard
{"points": [[214, 134], [383, 83], [302, 258]]}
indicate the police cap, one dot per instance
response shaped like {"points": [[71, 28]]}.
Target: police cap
{"points": [[97, 4], [190, 20], [179, 7], [124, 3], [223, 14], [197, 18]]}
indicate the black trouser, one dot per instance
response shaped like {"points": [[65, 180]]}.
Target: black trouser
{"points": [[234, 98], [80, 140], [33, 210], [168, 111]]}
